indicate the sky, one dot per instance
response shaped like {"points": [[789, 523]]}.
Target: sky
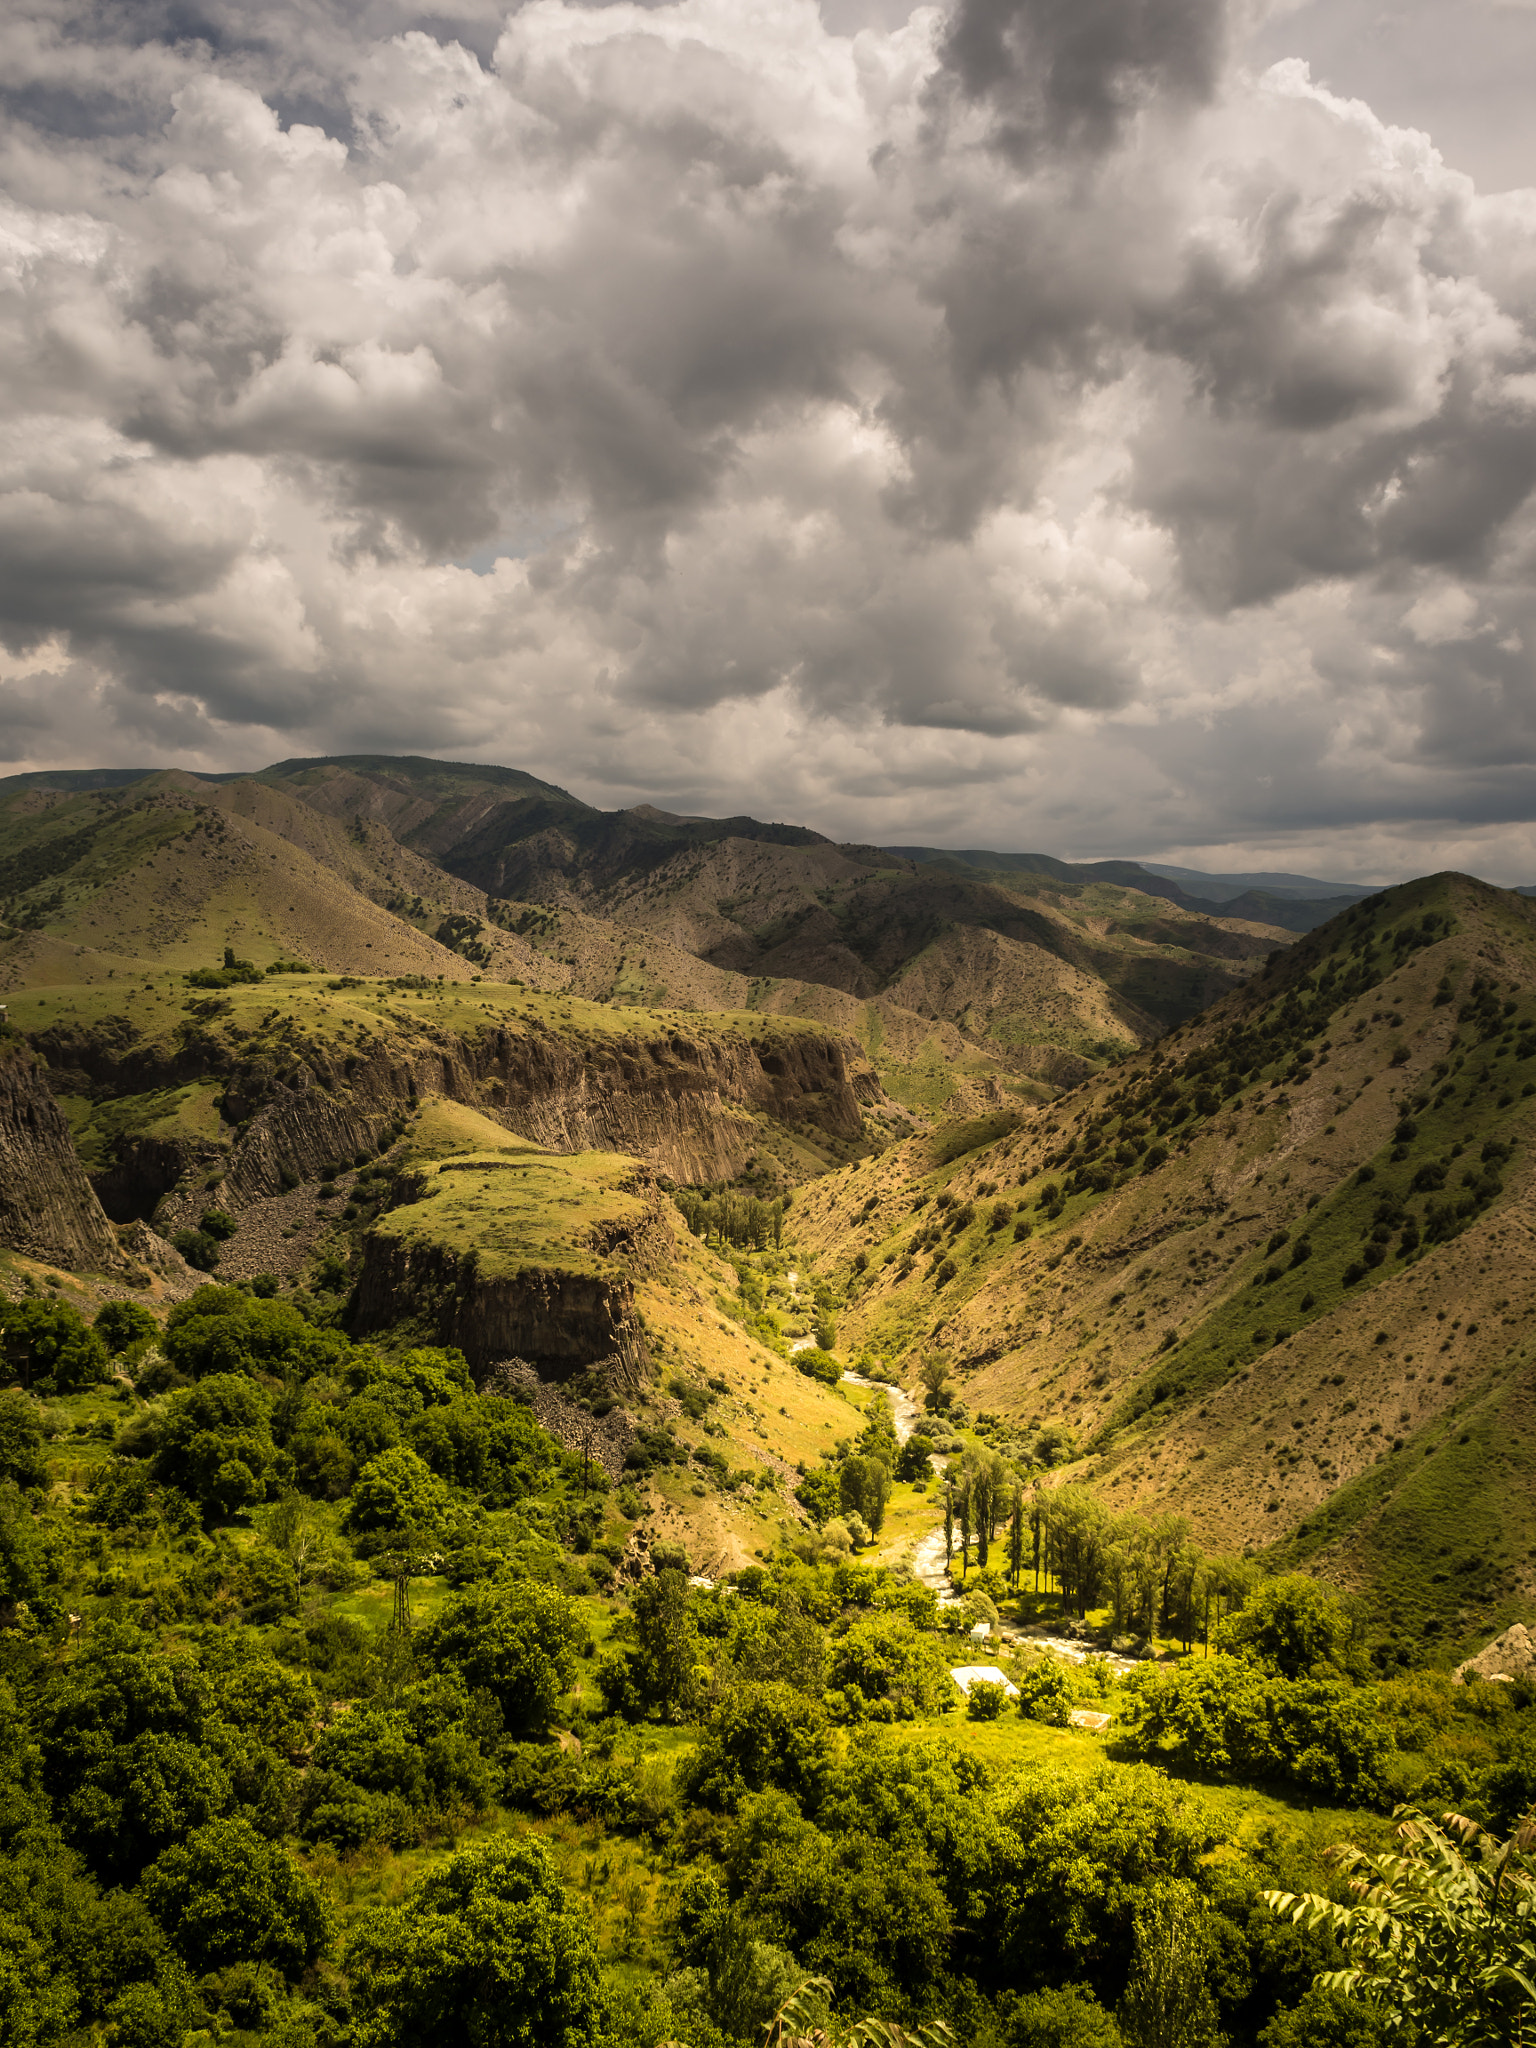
{"points": [[1105, 427]]}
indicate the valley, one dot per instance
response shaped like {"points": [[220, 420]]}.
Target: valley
{"points": [[435, 1215]]}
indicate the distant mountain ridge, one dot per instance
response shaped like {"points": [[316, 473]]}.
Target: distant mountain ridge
{"points": [[1295, 903], [968, 985]]}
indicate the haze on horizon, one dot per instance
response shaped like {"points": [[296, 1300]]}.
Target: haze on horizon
{"points": [[1047, 424]]}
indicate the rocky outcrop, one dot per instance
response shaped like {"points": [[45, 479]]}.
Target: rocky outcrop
{"points": [[681, 1103], [48, 1209], [563, 1322], [144, 1170], [604, 1438], [1508, 1657]]}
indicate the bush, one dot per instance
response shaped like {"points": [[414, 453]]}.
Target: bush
{"points": [[1049, 1689], [1223, 1718], [818, 1364], [986, 1699], [198, 1248], [122, 1324], [45, 1344], [396, 1494], [516, 1642], [488, 1948], [215, 1444], [21, 1442], [225, 1895]]}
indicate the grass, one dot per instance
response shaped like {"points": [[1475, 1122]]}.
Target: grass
{"points": [[515, 1206]]}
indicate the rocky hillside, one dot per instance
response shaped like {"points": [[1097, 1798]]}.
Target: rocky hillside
{"points": [[964, 985], [1277, 1273]]}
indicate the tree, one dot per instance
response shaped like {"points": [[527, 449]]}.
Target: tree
{"points": [[818, 1493], [889, 1664], [518, 1642], [21, 1442], [226, 1895], [1289, 1625], [1167, 2003], [916, 1457], [984, 1484], [802, 2022], [864, 1487], [1069, 2018], [24, 1560], [226, 1330], [817, 1363], [662, 1664], [215, 1443], [489, 1949], [46, 1345], [397, 1493], [933, 1373], [122, 1324], [1442, 1935], [759, 1737]]}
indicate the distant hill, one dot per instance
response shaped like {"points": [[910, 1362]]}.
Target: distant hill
{"points": [[967, 987], [1294, 903]]}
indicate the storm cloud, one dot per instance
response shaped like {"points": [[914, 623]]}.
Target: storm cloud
{"points": [[1031, 424]]}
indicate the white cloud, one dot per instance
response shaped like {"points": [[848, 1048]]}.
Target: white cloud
{"points": [[1022, 424]]}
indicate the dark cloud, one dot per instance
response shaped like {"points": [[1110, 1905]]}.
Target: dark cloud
{"points": [[1068, 74], [1027, 423]]}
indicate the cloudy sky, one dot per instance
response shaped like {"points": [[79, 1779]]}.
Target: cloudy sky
{"points": [[1104, 426]]}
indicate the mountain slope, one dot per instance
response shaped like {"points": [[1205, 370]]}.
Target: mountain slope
{"points": [[1278, 1274], [966, 988]]}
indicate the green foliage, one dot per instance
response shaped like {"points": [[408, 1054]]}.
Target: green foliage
{"points": [[913, 1461], [47, 1346], [1067, 2018], [1049, 1688], [1167, 2002], [516, 1642], [22, 1462], [24, 1556], [215, 1444], [820, 1494], [986, 1700], [1223, 1718], [488, 1949], [123, 1324], [864, 1488], [1290, 1626], [1442, 1935], [200, 1249], [818, 1364], [759, 1737], [380, 1771], [225, 1895], [397, 1495], [888, 1670], [226, 1330]]}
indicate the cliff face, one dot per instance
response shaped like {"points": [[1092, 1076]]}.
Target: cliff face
{"points": [[48, 1209], [564, 1302], [682, 1104], [561, 1322]]}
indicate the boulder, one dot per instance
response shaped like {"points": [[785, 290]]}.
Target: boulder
{"points": [[1508, 1657]]}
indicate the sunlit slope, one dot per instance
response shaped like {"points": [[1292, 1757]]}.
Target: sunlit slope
{"points": [[171, 871], [1280, 1273], [1029, 969], [581, 1263]]}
